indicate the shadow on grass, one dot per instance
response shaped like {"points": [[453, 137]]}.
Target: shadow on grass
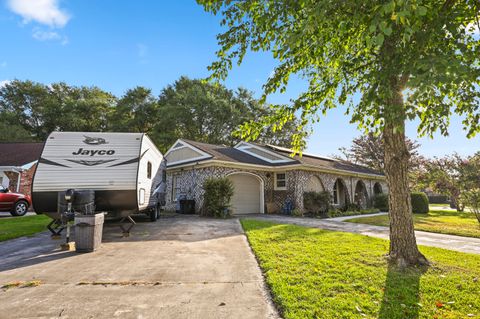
{"points": [[445, 213], [401, 298]]}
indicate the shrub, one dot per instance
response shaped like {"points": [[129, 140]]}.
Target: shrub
{"points": [[216, 200], [351, 207], [370, 211], [316, 203], [335, 213], [297, 212], [419, 203], [438, 199], [341, 213], [380, 201]]}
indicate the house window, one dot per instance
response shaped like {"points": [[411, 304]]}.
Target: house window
{"points": [[164, 176], [280, 181], [175, 187]]}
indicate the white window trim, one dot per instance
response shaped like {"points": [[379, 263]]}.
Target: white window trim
{"points": [[336, 194], [174, 188], [242, 146], [203, 155], [275, 187]]}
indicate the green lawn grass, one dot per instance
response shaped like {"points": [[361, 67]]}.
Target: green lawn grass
{"points": [[22, 226], [315, 273], [436, 221]]}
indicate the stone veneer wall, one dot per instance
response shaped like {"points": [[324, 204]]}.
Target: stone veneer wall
{"points": [[26, 181], [190, 182]]}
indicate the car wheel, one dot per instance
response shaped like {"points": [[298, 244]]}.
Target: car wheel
{"points": [[20, 208]]}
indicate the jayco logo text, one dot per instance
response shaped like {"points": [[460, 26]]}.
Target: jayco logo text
{"points": [[81, 151]]}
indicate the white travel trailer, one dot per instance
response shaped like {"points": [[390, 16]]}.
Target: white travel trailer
{"points": [[125, 170]]}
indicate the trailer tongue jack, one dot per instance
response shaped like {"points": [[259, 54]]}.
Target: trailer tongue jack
{"points": [[56, 227], [129, 223], [66, 218]]}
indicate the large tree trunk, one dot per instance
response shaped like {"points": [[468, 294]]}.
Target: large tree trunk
{"points": [[403, 245]]}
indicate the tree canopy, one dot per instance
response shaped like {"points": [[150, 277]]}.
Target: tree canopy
{"points": [[368, 150], [405, 60], [426, 49], [189, 108], [201, 111]]}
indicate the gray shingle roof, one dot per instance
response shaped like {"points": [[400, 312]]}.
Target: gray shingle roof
{"points": [[19, 154], [231, 154]]}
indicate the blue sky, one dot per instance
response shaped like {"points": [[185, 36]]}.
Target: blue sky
{"points": [[117, 45]]}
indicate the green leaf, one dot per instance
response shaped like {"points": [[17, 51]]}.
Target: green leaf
{"points": [[385, 28], [421, 10], [379, 39]]}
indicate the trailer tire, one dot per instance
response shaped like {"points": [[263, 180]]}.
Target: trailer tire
{"points": [[154, 214]]}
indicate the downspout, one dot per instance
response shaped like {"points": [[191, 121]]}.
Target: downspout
{"points": [[19, 180], [352, 195]]}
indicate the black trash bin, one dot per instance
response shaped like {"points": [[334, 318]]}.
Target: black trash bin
{"points": [[187, 206]]}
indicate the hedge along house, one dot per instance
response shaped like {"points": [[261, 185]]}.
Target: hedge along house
{"points": [[266, 178]]}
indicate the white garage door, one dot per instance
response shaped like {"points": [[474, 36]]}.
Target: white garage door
{"points": [[246, 197]]}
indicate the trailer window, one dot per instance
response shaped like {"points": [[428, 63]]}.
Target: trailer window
{"points": [[149, 170]]}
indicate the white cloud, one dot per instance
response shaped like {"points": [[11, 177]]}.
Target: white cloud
{"points": [[48, 35], [42, 11], [4, 82], [42, 35]]}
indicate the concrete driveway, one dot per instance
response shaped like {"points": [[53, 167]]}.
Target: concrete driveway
{"points": [[179, 267]]}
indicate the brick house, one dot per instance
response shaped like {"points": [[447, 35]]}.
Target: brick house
{"points": [[265, 177], [17, 165]]}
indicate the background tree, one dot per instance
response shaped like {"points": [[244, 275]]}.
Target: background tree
{"points": [[470, 184], [452, 176], [135, 111], [380, 50], [188, 108], [368, 150], [38, 109], [29, 105], [13, 133], [442, 175], [210, 113]]}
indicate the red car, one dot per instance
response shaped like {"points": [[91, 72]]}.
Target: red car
{"points": [[15, 203]]}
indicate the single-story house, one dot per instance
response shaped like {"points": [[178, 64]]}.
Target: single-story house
{"points": [[17, 165], [266, 178]]}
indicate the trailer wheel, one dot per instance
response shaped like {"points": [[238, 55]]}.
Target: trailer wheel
{"points": [[154, 214]]}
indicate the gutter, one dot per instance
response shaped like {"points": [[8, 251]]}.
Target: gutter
{"points": [[15, 169], [275, 168]]}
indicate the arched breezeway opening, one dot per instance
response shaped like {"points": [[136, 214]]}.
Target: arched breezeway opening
{"points": [[248, 195], [361, 195], [340, 193], [314, 184], [377, 189]]}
